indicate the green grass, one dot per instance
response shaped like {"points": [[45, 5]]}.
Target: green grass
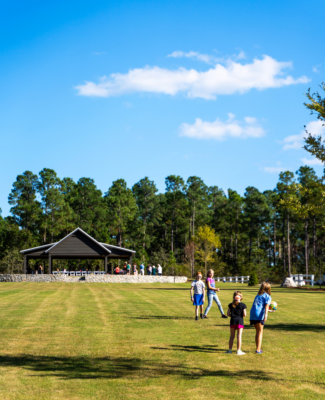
{"points": [[130, 341]]}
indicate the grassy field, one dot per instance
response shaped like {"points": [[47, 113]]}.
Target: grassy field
{"points": [[130, 341]]}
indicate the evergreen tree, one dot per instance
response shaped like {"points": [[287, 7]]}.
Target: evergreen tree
{"points": [[253, 280], [285, 190], [56, 212], [25, 208], [198, 200], [256, 214], [235, 205], [145, 195], [176, 205], [121, 207], [89, 208]]}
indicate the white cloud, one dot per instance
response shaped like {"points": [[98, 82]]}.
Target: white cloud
{"points": [[192, 54], [316, 68], [241, 55], [222, 79], [313, 161], [209, 59], [316, 128], [219, 130], [274, 170]]}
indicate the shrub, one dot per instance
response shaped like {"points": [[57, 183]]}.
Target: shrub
{"points": [[253, 279]]}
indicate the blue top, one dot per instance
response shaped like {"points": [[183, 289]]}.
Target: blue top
{"points": [[141, 266], [258, 307]]}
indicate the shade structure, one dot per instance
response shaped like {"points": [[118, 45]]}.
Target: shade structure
{"points": [[77, 245]]}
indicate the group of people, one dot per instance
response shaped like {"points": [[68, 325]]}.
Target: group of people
{"points": [[236, 309], [126, 269]]}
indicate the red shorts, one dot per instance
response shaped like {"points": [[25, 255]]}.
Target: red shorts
{"points": [[237, 326]]}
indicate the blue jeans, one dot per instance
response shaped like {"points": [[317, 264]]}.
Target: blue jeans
{"points": [[211, 297]]}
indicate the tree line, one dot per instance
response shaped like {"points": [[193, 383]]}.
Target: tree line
{"points": [[255, 232]]}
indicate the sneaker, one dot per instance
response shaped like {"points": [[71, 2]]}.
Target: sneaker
{"points": [[240, 353], [259, 352], [224, 316], [196, 318], [229, 352], [205, 317], [201, 315]]}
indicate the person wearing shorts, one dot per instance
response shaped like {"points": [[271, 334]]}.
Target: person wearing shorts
{"points": [[198, 287], [259, 312], [237, 312]]}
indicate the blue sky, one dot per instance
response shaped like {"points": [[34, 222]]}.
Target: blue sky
{"points": [[129, 89]]}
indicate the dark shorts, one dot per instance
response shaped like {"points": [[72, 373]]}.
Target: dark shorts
{"points": [[198, 300], [253, 322]]}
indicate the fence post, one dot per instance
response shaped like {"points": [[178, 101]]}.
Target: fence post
{"points": [[312, 280]]}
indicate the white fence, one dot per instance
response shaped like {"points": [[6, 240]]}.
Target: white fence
{"points": [[78, 273], [235, 279], [300, 278]]}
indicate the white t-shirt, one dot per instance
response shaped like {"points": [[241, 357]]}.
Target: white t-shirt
{"points": [[159, 269], [198, 286]]}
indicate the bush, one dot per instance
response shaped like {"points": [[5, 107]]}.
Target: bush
{"points": [[253, 279]]}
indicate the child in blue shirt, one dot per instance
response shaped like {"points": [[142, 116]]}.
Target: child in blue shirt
{"points": [[259, 311]]}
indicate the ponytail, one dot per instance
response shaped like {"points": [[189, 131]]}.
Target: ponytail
{"points": [[236, 302]]}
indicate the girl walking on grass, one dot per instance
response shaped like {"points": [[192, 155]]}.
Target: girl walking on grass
{"points": [[237, 312], [198, 287], [259, 311], [212, 295]]}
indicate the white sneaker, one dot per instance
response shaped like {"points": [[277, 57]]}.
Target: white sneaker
{"points": [[240, 353], [229, 351]]}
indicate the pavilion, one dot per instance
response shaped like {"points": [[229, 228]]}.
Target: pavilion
{"points": [[77, 245]]}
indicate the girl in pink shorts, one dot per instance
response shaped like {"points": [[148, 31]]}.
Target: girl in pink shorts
{"points": [[237, 312]]}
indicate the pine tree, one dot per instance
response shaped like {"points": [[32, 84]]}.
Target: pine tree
{"points": [[121, 207], [198, 201], [145, 195], [176, 205], [56, 213], [89, 208], [25, 208]]}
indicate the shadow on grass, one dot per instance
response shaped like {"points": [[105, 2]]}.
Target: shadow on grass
{"points": [[69, 368], [158, 288], [191, 349], [296, 327], [119, 368], [162, 317]]}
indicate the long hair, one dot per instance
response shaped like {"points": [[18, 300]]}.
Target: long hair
{"points": [[236, 302], [265, 287], [209, 272]]}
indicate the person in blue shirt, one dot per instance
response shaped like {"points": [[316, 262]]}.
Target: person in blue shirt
{"points": [[141, 269], [259, 311]]}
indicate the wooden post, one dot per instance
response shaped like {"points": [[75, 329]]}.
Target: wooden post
{"points": [[105, 264], [25, 264], [50, 264]]}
